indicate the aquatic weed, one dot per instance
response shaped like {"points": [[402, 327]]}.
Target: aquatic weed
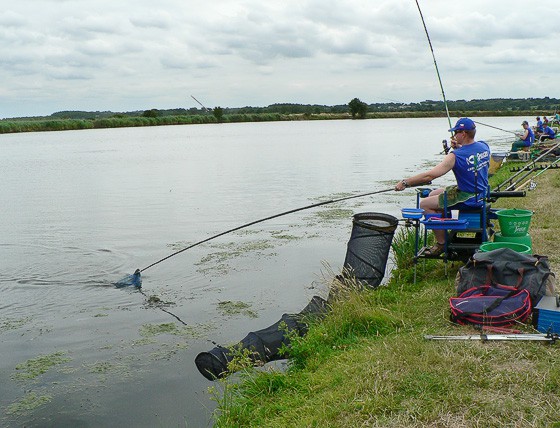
{"points": [[27, 403], [236, 308], [37, 366], [13, 323], [150, 330]]}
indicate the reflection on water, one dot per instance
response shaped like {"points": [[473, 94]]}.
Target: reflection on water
{"points": [[85, 208]]}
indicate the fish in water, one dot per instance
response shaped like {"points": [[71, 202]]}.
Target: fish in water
{"points": [[134, 280]]}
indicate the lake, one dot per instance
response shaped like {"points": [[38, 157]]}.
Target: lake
{"points": [[82, 209]]}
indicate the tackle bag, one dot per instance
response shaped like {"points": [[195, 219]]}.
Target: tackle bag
{"points": [[488, 305], [505, 266]]}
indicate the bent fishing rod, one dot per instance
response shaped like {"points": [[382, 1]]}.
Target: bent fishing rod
{"points": [[318, 204]]}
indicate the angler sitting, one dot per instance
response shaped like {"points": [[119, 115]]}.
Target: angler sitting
{"points": [[539, 127], [548, 133], [469, 162], [526, 139]]}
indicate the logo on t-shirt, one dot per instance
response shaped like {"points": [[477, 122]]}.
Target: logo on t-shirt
{"points": [[480, 157]]}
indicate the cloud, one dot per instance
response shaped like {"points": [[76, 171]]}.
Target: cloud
{"points": [[248, 52]]}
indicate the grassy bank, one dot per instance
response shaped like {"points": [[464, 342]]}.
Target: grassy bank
{"points": [[367, 363]]}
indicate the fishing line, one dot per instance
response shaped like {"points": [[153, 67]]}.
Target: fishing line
{"points": [[159, 305], [135, 279], [495, 127], [435, 63]]}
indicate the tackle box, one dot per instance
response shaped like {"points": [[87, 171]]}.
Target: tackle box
{"points": [[547, 314]]}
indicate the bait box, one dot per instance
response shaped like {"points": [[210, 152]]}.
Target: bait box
{"points": [[547, 314], [473, 219], [412, 213]]}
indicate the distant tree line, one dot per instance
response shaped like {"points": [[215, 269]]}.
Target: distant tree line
{"points": [[356, 108], [488, 105]]}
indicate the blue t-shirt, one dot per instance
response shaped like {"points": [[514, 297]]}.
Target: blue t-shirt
{"points": [[466, 157], [539, 126], [530, 139], [550, 132]]}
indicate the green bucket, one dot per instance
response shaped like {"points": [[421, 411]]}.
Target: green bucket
{"points": [[514, 222], [491, 246], [525, 239]]}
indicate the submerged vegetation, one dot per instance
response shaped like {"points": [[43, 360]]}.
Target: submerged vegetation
{"points": [[368, 364]]}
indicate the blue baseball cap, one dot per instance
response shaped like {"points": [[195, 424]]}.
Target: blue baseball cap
{"points": [[463, 124]]}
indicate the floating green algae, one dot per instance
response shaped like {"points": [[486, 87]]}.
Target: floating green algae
{"points": [[280, 234], [236, 249], [246, 232], [333, 196], [144, 341], [156, 301], [165, 352], [13, 323], [236, 308], [27, 403], [37, 366], [104, 367], [217, 262], [180, 245], [151, 330], [334, 214], [217, 269]]}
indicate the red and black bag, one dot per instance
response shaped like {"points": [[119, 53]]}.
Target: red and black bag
{"points": [[491, 305], [507, 267]]}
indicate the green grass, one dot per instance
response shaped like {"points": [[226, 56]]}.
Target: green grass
{"points": [[368, 364]]}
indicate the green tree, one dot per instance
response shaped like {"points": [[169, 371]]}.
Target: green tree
{"points": [[151, 113], [357, 108], [218, 113]]}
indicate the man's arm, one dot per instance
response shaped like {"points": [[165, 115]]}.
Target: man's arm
{"points": [[425, 177]]}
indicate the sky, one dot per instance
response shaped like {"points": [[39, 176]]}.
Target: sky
{"points": [[116, 55]]}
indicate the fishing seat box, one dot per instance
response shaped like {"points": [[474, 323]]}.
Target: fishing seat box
{"points": [[546, 315], [473, 219]]}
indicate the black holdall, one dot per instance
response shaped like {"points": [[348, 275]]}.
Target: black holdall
{"points": [[491, 305], [506, 267]]}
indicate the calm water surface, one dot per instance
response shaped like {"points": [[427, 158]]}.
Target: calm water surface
{"points": [[82, 209]]}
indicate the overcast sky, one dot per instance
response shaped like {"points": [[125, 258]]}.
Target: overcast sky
{"points": [[136, 55]]}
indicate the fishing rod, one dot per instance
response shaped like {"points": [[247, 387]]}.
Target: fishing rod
{"points": [[205, 109], [525, 168], [446, 149], [318, 204], [495, 127], [531, 181], [549, 337]]}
